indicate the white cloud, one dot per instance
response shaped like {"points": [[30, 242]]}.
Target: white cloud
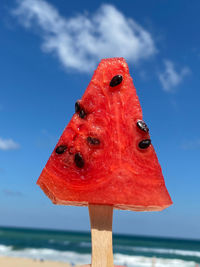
{"points": [[81, 41], [170, 78], [8, 144]]}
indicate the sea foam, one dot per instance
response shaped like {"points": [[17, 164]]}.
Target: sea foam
{"points": [[79, 258], [189, 253]]}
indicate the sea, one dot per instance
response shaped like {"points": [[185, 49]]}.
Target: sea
{"points": [[75, 248]]}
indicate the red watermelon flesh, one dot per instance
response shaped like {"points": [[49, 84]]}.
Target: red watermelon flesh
{"points": [[104, 155]]}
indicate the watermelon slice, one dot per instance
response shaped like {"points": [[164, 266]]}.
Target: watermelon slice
{"points": [[105, 155]]}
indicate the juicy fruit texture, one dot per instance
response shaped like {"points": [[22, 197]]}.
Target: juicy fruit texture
{"points": [[105, 155]]}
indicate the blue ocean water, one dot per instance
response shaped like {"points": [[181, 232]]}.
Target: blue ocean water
{"points": [[75, 247]]}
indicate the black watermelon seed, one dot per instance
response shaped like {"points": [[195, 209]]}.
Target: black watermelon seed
{"points": [[144, 143], [142, 125], [77, 106], [79, 161], [93, 140], [116, 80], [82, 114], [61, 149]]}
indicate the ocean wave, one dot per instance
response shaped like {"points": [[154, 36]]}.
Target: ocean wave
{"points": [[170, 251], [190, 253], [46, 254], [78, 258], [85, 244], [138, 261], [66, 242], [53, 241], [4, 249]]}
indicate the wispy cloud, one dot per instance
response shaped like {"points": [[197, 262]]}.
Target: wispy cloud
{"points": [[8, 144], [191, 144], [170, 78], [81, 41], [11, 193]]}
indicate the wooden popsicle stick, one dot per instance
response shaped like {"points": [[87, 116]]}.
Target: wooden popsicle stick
{"points": [[101, 232]]}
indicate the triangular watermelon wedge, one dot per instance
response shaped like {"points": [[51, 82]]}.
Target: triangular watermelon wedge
{"points": [[105, 155]]}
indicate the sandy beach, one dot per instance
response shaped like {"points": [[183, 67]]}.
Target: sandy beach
{"points": [[21, 262]]}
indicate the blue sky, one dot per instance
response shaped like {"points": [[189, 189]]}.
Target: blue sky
{"points": [[48, 52]]}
